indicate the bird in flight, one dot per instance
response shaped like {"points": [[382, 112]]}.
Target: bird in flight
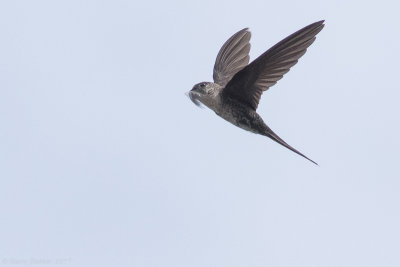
{"points": [[237, 88]]}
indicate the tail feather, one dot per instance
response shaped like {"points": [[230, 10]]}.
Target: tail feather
{"points": [[269, 133]]}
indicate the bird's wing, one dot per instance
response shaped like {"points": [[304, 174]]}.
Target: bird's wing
{"points": [[249, 83], [232, 57]]}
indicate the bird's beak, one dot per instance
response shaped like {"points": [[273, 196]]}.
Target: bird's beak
{"points": [[194, 96]]}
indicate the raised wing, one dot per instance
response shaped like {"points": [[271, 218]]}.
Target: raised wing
{"points": [[232, 57], [249, 83]]}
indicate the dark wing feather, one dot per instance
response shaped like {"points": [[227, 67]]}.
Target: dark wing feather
{"points": [[232, 57], [249, 83]]}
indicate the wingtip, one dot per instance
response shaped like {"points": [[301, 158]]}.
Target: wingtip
{"points": [[317, 24], [321, 23], [243, 30]]}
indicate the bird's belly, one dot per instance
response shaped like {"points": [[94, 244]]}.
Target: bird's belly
{"points": [[242, 118]]}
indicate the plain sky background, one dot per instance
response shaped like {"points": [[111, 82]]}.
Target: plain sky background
{"points": [[105, 162]]}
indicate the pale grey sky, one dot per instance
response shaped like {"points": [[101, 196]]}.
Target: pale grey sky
{"points": [[105, 162]]}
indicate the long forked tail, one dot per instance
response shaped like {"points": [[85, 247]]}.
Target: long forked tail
{"points": [[269, 133]]}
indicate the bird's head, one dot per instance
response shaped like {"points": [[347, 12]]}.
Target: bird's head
{"points": [[204, 93]]}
